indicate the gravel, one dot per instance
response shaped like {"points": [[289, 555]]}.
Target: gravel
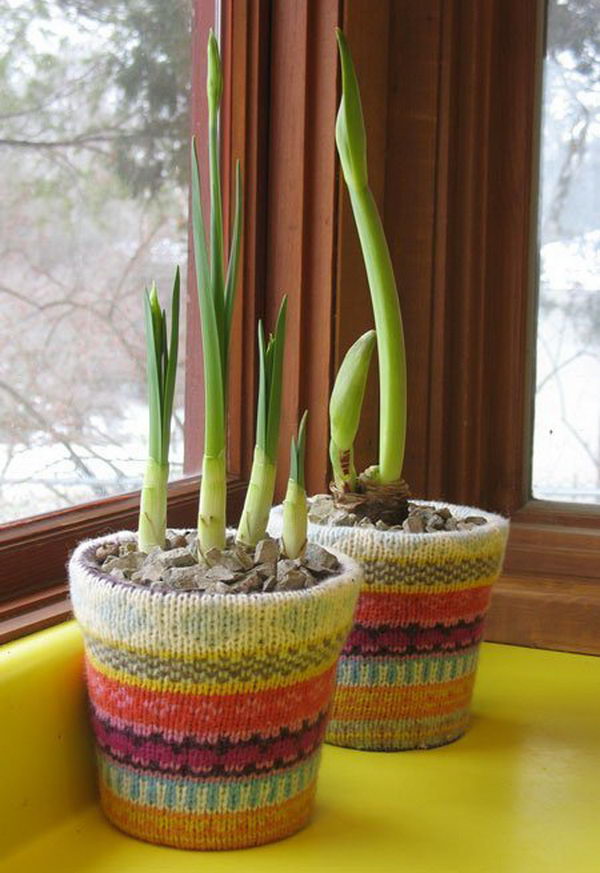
{"points": [[233, 570], [421, 519]]}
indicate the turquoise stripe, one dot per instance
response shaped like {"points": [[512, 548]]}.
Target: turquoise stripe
{"points": [[182, 794], [354, 671]]}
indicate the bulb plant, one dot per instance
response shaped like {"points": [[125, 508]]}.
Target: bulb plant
{"points": [[161, 371], [216, 296], [295, 507], [385, 478], [259, 497]]}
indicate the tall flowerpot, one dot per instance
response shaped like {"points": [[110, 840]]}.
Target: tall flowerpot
{"points": [[405, 678], [209, 711]]}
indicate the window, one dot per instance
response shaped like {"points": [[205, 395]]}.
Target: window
{"points": [[451, 93], [566, 453], [93, 166]]}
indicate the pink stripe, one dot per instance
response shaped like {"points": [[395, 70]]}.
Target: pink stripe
{"points": [[172, 757], [425, 639]]}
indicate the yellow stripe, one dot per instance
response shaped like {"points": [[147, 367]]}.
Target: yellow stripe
{"points": [[416, 701]]}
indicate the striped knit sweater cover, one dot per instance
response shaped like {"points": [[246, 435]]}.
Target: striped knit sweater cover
{"points": [[405, 678], [209, 712]]}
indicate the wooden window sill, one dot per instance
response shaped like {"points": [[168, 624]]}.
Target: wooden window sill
{"points": [[33, 597], [516, 793]]}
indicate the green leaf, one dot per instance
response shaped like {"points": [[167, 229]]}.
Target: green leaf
{"points": [[302, 448], [351, 137], [217, 282], [214, 382], [171, 370], [214, 78], [298, 451], [232, 269], [153, 382], [346, 400], [276, 381], [262, 413]]}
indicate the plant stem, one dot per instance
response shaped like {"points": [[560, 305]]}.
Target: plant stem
{"points": [[153, 506], [259, 497], [295, 507], [390, 334], [255, 514], [213, 496], [351, 143], [161, 357], [295, 521], [216, 297]]}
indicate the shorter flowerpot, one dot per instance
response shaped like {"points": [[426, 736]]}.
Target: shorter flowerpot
{"points": [[209, 711], [405, 678]]}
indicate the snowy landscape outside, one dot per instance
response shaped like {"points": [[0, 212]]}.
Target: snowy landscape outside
{"points": [[566, 444], [94, 152]]}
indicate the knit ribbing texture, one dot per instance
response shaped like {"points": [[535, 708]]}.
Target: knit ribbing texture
{"points": [[209, 711], [405, 678]]}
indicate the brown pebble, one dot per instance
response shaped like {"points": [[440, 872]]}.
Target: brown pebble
{"points": [[177, 542], [413, 524], [218, 588], [266, 552], [270, 584], [106, 550], [219, 573], [293, 580]]}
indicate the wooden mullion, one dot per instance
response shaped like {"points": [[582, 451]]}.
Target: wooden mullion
{"points": [[301, 216], [246, 34], [203, 20]]}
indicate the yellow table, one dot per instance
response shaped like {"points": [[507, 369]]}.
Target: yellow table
{"points": [[519, 793]]}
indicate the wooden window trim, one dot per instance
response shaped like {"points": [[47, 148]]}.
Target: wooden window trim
{"points": [[33, 554]]}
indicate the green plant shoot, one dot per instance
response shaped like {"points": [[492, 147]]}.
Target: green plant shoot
{"points": [[295, 506], [345, 407], [216, 295], [352, 148], [161, 370], [259, 497]]}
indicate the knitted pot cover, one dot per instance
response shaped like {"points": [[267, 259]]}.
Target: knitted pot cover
{"points": [[406, 674], [209, 711]]}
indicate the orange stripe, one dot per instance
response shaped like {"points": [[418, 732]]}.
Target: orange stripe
{"points": [[214, 830], [377, 608], [415, 701], [233, 715]]}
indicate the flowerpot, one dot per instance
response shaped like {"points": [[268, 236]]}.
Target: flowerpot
{"points": [[405, 678], [209, 711]]}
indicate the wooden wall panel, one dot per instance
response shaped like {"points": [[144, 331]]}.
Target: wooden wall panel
{"points": [[410, 206], [301, 216]]}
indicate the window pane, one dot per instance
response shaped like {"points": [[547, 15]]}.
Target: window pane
{"points": [[93, 164], [566, 456]]}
